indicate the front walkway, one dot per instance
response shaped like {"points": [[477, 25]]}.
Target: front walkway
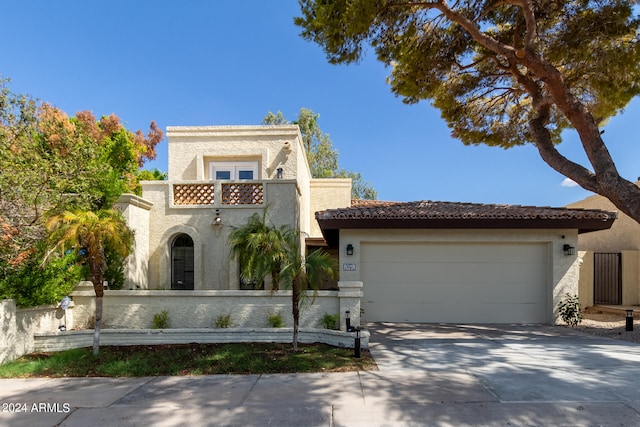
{"points": [[430, 375]]}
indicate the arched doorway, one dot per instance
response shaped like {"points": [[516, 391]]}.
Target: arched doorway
{"points": [[182, 263]]}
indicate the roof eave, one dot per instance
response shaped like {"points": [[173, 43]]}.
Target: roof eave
{"points": [[330, 227]]}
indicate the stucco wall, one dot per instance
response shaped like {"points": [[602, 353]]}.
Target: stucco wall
{"points": [[8, 331], [630, 273], [563, 271], [200, 309], [136, 212], [191, 148], [18, 327], [214, 268], [623, 237], [585, 286], [328, 193], [78, 339]]}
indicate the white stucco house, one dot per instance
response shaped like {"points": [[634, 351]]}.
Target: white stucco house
{"points": [[218, 177], [402, 262]]}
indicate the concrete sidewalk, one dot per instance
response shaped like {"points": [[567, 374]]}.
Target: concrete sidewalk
{"points": [[431, 375]]}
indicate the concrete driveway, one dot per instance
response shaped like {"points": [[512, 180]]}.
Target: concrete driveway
{"points": [[430, 375], [557, 370]]}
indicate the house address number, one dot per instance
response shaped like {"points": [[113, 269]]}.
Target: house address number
{"points": [[348, 267]]}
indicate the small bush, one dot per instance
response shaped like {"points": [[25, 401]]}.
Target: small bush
{"points": [[33, 284], [223, 321], [275, 320], [569, 309], [161, 320], [329, 321]]}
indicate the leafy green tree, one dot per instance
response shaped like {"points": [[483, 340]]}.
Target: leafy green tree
{"points": [[94, 233], [322, 157], [502, 73], [51, 163], [263, 249], [36, 284], [148, 175]]}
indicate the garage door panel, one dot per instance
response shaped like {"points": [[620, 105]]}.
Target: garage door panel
{"points": [[442, 293], [460, 313], [460, 272], [455, 252], [454, 282]]}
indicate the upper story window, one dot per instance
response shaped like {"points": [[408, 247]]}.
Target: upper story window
{"points": [[233, 170]]}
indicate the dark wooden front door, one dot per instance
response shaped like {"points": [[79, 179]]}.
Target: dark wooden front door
{"points": [[182, 261]]}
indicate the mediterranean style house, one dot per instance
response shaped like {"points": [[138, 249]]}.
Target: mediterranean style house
{"points": [[419, 261], [218, 177]]}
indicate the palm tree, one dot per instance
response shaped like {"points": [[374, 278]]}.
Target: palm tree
{"points": [[303, 273], [263, 249], [93, 232], [260, 250]]}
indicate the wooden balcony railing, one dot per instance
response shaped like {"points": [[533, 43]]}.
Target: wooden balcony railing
{"points": [[233, 193], [193, 194]]}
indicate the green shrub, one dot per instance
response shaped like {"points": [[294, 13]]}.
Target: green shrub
{"points": [[275, 320], [330, 321], [161, 320], [569, 309], [223, 321], [36, 284], [114, 272]]}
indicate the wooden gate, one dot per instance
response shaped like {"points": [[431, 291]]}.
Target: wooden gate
{"points": [[607, 278]]}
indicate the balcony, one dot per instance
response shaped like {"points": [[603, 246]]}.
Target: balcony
{"points": [[227, 193], [233, 193]]}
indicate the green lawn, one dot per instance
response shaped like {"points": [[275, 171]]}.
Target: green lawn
{"points": [[188, 359]]}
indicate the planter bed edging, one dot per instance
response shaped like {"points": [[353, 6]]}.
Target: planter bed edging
{"points": [[58, 341]]}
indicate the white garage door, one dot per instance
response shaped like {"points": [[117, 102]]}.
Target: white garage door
{"points": [[454, 282]]}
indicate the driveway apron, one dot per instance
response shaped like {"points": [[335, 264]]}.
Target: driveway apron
{"points": [[516, 363]]}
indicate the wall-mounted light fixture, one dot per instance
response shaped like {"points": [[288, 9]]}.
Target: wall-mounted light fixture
{"points": [[217, 220], [279, 172], [568, 250], [349, 249]]}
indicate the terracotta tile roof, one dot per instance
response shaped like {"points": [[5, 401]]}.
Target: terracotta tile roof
{"points": [[427, 209], [427, 214]]}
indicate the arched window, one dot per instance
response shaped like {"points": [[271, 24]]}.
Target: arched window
{"points": [[182, 262]]}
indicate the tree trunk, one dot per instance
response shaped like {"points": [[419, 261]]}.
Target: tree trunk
{"points": [[98, 326], [295, 299], [605, 178], [98, 288]]}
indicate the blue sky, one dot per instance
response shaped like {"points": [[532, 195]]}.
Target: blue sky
{"points": [[228, 63]]}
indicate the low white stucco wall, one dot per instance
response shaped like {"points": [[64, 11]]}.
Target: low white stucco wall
{"points": [[77, 339], [19, 325], [199, 309], [8, 330], [128, 317]]}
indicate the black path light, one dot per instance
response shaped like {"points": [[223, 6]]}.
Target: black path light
{"points": [[348, 320], [629, 318], [356, 347]]}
